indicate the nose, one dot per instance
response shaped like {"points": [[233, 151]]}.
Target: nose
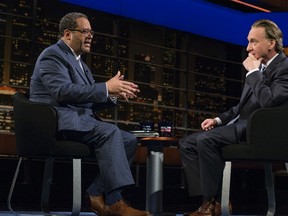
{"points": [[91, 33], [248, 48]]}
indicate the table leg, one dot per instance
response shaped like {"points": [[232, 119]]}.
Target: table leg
{"points": [[154, 182]]}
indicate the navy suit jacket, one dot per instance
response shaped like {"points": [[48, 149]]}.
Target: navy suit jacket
{"points": [[258, 93], [58, 80]]}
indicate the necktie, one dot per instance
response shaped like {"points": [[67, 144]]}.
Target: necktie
{"points": [[263, 71]]}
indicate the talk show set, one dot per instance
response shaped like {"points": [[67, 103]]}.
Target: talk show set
{"points": [[144, 108]]}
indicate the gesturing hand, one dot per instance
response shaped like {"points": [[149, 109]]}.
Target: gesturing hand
{"points": [[121, 88]]}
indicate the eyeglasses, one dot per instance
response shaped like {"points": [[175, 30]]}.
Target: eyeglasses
{"points": [[84, 31]]}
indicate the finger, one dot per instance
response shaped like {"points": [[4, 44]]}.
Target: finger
{"points": [[130, 84], [132, 95], [117, 75], [121, 77], [129, 89], [124, 96], [251, 56]]}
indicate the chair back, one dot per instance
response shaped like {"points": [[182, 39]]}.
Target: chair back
{"points": [[267, 137], [35, 127], [267, 134]]}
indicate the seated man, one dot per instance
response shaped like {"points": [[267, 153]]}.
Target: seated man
{"points": [[61, 79], [201, 152]]}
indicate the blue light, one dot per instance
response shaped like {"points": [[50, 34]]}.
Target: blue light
{"points": [[194, 16]]}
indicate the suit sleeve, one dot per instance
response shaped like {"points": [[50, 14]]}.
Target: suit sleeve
{"points": [[272, 91], [230, 114], [60, 78]]}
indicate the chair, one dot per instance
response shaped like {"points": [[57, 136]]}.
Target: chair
{"points": [[35, 131], [267, 142]]}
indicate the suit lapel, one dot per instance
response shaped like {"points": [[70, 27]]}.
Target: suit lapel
{"points": [[79, 70], [274, 63], [71, 58], [247, 91], [87, 73]]}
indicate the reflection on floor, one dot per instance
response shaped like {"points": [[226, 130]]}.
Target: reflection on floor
{"points": [[27, 213], [67, 214]]}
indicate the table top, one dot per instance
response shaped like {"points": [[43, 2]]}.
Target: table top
{"points": [[159, 141], [171, 139]]}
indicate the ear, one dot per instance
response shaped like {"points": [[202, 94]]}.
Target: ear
{"points": [[67, 34], [272, 44]]}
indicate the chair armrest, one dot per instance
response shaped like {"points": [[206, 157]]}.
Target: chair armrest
{"points": [[267, 133]]}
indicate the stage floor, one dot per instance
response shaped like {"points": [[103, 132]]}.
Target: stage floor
{"points": [[6, 213]]}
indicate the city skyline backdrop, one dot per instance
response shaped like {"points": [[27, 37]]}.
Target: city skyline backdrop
{"points": [[183, 78]]}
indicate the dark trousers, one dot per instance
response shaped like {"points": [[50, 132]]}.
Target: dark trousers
{"points": [[202, 159], [115, 150]]}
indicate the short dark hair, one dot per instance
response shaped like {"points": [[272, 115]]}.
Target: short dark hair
{"points": [[272, 32], [69, 22]]}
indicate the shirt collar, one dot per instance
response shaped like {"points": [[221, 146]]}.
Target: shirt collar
{"points": [[78, 57], [266, 65]]}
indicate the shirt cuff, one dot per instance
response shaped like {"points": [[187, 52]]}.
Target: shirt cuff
{"points": [[107, 94], [218, 120], [252, 71], [113, 98]]}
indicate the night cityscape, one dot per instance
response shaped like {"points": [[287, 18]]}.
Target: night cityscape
{"points": [[177, 85]]}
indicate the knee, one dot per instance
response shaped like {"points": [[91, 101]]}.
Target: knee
{"points": [[113, 129], [187, 145], [132, 140], [202, 142], [184, 142], [130, 143], [182, 146], [110, 131]]}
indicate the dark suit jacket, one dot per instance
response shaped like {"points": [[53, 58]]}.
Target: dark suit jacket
{"points": [[260, 93], [59, 81]]}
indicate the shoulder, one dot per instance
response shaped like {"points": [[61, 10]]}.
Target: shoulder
{"points": [[283, 64], [54, 50], [281, 58]]}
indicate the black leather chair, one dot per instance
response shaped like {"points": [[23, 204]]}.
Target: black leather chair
{"points": [[35, 131], [267, 142]]}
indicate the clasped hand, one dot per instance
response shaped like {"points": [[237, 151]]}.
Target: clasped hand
{"points": [[251, 62], [121, 88]]}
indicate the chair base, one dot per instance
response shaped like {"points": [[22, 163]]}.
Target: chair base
{"points": [[47, 181], [269, 182]]}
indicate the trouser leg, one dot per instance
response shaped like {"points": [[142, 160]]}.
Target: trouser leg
{"points": [[189, 158], [206, 148], [210, 158], [112, 158], [114, 151]]}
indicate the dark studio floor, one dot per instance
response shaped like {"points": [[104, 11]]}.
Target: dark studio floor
{"points": [[248, 194]]}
